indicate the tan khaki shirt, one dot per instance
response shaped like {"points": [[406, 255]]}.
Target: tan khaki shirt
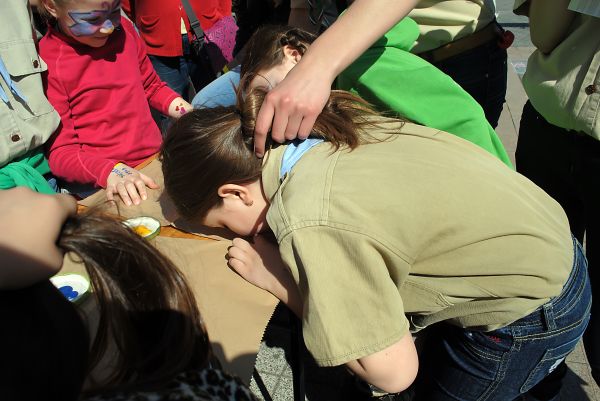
{"points": [[443, 21], [421, 228], [24, 124], [564, 86]]}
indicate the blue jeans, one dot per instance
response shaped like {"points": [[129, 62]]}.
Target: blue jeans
{"points": [[471, 365], [482, 73], [220, 92]]}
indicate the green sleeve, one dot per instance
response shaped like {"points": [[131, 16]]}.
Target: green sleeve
{"points": [[351, 304], [399, 82]]}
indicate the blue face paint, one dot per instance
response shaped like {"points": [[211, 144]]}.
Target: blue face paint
{"points": [[89, 23]]}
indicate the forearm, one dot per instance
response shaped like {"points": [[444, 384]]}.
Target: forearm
{"points": [[355, 28], [549, 22], [178, 107], [286, 290], [392, 369]]}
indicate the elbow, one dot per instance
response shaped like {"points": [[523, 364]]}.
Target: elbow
{"points": [[394, 381], [392, 370]]}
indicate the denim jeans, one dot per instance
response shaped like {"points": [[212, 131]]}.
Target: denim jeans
{"points": [[482, 73], [471, 365]]}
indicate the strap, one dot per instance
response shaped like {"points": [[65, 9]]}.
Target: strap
{"points": [[194, 23]]}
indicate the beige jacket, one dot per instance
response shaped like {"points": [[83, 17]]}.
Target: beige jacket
{"points": [[25, 124]]}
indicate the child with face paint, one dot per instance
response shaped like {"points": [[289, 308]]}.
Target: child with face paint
{"points": [[101, 83]]}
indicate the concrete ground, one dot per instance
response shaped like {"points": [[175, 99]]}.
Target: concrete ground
{"points": [[273, 379]]}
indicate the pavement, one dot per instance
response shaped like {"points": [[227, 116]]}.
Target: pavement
{"points": [[273, 379]]}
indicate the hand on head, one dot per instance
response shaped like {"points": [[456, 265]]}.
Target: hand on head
{"points": [[129, 183], [30, 226], [290, 109]]}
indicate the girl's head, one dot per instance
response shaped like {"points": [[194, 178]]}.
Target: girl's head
{"points": [[89, 22], [147, 315], [211, 172], [271, 53]]}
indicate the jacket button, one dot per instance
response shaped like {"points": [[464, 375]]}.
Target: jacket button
{"points": [[15, 138], [591, 89], [36, 64]]}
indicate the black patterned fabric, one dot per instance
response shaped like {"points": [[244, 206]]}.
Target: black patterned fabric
{"points": [[203, 385]]}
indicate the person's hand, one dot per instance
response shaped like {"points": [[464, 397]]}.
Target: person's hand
{"points": [[290, 109], [179, 107], [129, 183], [260, 264], [29, 228]]}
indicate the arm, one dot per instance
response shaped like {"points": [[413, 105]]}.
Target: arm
{"points": [[549, 23], [65, 155], [346, 310], [29, 228], [260, 264], [292, 107], [392, 369]]}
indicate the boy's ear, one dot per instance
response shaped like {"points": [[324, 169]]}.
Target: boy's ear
{"points": [[292, 53], [50, 7], [235, 192]]}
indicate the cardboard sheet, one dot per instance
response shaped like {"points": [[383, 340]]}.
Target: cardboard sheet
{"points": [[235, 312]]}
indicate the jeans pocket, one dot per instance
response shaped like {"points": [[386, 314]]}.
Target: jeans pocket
{"points": [[549, 361]]}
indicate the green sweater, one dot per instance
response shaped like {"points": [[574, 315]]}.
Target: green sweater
{"points": [[392, 79]]}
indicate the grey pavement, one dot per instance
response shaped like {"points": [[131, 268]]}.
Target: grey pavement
{"points": [[273, 379]]}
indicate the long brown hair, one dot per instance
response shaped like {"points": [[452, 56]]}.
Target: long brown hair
{"points": [[264, 50], [207, 148], [145, 304]]}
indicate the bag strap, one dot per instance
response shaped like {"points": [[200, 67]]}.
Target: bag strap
{"points": [[194, 23]]}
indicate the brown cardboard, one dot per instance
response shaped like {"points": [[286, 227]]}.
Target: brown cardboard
{"points": [[235, 312]]}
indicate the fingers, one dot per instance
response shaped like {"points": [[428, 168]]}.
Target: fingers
{"points": [[67, 204], [306, 126], [132, 191], [122, 191], [150, 183], [264, 119]]}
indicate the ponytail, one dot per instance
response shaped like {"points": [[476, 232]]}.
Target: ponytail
{"points": [[208, 148]]}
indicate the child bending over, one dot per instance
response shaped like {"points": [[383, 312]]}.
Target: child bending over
{"points": [[386, 227], [100, 81]]}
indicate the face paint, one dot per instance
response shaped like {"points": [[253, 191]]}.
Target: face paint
{"points": [[89, 23]]}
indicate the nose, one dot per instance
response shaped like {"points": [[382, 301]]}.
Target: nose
{"points": [[107, 27]]}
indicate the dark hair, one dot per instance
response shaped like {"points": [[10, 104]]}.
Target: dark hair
{"points": [[264, 50], [207, 148], [145, 305]]}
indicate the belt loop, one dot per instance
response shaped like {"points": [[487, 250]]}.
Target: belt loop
{"points": [[549, 316]]}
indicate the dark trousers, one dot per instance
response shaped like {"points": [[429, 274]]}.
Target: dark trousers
{"points": [[566, 165], [482, 73]]}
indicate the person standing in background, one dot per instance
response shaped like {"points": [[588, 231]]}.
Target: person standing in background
{"points": [[559, 135], [26, 117], [463, 39], [164, 26]]}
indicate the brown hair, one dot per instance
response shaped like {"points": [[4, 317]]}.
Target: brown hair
{"points": [[264, 50], [145, 304], [208, 148]]}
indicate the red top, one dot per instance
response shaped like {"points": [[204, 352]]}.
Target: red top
{"points": [[159, 21], [102, 97]]}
